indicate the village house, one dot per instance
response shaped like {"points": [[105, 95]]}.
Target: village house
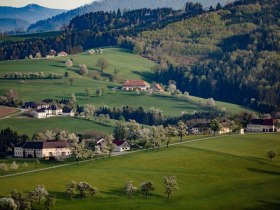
{"points": [[52, 110], [261, 125], [62, 54], [121, 146], [68, 112], [136, 85], [46, 149]]}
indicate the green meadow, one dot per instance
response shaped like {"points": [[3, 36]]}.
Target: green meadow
{"points": [[227, 172], [131, 67], [31, 125]]}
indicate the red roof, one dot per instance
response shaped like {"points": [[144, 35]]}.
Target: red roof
{"points": [[159, 87], [135, 83]]}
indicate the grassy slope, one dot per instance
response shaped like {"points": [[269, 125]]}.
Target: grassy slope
{"points": [[31, 126], [130, 66], [225, 173]]}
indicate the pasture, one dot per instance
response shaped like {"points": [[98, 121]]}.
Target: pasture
{"points": [[31, 125], [229, 172], [131, 67]]}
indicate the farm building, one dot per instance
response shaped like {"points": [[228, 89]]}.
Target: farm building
{"points": [[136, 85], [44, 149], [52, 110], [261, 125], [121, 146]]}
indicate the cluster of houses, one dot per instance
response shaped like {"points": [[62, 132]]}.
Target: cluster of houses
{"points": [[57, 149], [60, 149], [141, 85], [45, 110]]}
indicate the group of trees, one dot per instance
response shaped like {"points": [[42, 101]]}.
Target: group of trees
{"points": [[19, 201], [32, 75], [151, 116], [8, 139]]}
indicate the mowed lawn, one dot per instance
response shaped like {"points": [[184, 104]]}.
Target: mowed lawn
{"points": [[32, 125], [230, 172]]}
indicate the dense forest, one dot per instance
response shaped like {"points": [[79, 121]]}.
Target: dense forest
{"points": [[58, 21]]}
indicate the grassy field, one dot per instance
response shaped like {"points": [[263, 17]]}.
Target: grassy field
{"points": [[31, 126], [130, 66], [222, 173]]}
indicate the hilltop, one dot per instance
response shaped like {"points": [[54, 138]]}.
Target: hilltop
{"points": [[29, 14], [56, 22]]}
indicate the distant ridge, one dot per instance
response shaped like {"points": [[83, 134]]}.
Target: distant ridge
{"points": [[22, 17], [56, 22]]}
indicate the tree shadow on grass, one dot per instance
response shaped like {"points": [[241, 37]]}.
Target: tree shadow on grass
{"points": [[121, 193], [271, 205], [56, 65], [145, 75], [256, 170]]}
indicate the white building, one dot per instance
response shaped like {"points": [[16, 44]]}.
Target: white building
{"points": [[52, 110], [261, 125], [69, 113], [136, 85], [44, 149], [121, 146]]}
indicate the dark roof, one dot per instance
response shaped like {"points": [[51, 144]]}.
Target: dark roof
{"points": [[119, 142], [43, 110], [44, 144], [263, 122]]}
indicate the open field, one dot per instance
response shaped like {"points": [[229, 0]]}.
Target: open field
{"points": [[31, 126], [230, 172], [6, 111], [130, 66]]}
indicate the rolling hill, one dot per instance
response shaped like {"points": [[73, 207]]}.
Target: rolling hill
{"points": [[28, 15], [56, 22]]}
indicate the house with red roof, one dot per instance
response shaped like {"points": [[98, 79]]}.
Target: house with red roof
{"points": [[131, 85], [261, 125], [121, 146], [42, 149]]}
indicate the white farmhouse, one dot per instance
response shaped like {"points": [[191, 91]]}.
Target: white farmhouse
{"points": [[44, 149], [136, 85], [261, 125], [121, 146]]}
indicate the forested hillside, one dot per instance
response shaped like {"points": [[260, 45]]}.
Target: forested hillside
{"points": [[56, 22], [231, 54]]}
